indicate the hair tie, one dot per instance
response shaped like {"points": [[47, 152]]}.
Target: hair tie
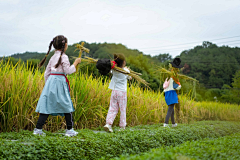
{"points": [[46, 55], [114, 63]]}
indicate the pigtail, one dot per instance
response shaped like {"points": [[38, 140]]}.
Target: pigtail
{"points": [[44, 59], [60, 58]]}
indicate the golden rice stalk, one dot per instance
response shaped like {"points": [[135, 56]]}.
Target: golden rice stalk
{"points": [[165, 71], [133, 74], [81, 49], [131, 71]]}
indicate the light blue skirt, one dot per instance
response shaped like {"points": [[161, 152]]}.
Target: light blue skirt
{"points": [[55, 98]]}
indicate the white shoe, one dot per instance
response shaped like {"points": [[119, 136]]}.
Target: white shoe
{"points": [[71, 133], [38, 132], [174, 125], [108, 128], [165, 125]]}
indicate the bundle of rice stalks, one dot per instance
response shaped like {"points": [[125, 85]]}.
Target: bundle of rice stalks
{"points": [[133, 74], [81, 49], [170, 74], [167, 73]]}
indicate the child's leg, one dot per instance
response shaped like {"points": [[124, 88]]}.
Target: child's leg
{"points": [[69, 120], [172, 117], [122, 100], [113, 109], [169, 113], [41, 120]]}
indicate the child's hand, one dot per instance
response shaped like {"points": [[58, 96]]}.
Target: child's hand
{"points": [[127, 67], [78, 60]]}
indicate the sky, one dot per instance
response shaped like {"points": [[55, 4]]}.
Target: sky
{"points": [[151, 26]]}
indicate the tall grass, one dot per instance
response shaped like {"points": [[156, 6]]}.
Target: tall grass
{"points": [[20, 89]]}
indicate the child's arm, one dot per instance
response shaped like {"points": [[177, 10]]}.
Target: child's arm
{"points": [[176, 86], [67, 68]]}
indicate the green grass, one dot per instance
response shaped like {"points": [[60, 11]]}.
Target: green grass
{"points": [[226, 147], [90, 145]]}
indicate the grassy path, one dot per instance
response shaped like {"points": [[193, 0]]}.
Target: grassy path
{"points": [[90, 144]]}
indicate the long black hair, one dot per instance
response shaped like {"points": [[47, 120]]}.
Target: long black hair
{"points": [[59, 44]]}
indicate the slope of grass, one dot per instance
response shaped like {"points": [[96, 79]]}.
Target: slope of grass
{"points": [[90, 145]]}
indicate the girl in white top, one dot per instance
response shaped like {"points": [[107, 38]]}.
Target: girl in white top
{"points": [[118, 100]]}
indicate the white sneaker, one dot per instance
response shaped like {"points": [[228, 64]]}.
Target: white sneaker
{"points": [[174, 125], [71, 133], [108, 128], [165, 125], [38, 132]]}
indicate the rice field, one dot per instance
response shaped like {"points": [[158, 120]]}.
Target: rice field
{"points": [[21, 88]]}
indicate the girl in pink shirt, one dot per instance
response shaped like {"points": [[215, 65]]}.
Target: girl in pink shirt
{"points": [[55, 98]]}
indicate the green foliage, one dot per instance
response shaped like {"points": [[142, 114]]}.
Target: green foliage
{"points": [[163, 57], [213, 66], [90, 145], [28, 55], [226, 147], [232, 94]]}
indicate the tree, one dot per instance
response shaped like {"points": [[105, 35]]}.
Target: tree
{"points": [[232, 94], [163, 57], [236, 87], [213, 66]]}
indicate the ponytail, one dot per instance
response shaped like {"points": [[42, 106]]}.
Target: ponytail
{"points": [[44, 59]]}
